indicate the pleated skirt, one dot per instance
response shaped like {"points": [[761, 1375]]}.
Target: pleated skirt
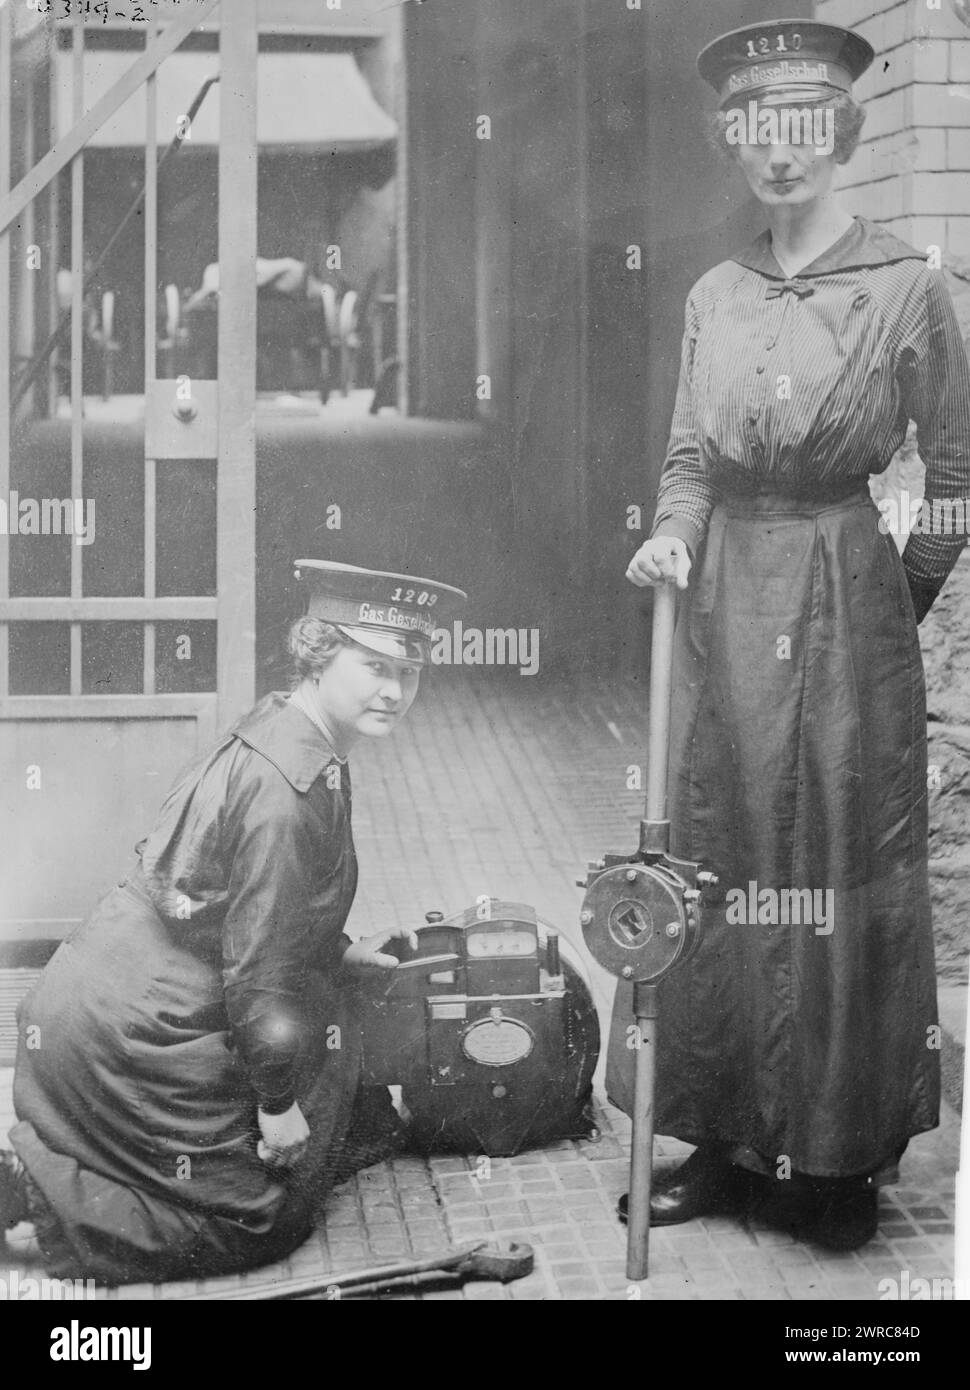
{"points": [[804, 1026]]}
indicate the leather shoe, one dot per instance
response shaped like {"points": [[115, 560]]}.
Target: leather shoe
{"points": [[836, 1213], [13, 1191], [707, 1184]]}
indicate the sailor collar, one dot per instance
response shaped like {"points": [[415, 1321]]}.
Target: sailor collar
{"points": [[862, 245], [283, 734]]}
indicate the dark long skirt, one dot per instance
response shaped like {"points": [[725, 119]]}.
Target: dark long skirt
{"points": [[798, 761], [136, 1122]]}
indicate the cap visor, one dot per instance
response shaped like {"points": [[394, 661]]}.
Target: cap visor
{"points": [[387, 643]]}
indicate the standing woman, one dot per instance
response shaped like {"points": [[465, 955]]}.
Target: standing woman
{"points": [[801, 1050], [189, 1060]]}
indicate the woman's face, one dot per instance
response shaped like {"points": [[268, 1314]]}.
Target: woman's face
{"points": [[363, 694], [781, 175]]}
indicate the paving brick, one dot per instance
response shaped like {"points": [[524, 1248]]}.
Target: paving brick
{"points": [[672, 1285], [792, 1257], [573, 1181], [590, 1207], [499, 1192], [465, 1209], [716, 1276], [602, 1151], [471, 1230], [560, 1200], [545, 1292], [565, 1251], [347, 1252], [381, 1218], [912, 1246], [579, 1287], [425, 1225], [709, 1258], [505, 1211], [855, 1288], [448, 1164], [596, 1248], [543, 1211]]}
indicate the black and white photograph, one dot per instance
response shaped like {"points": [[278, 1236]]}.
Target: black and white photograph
{"points": [[485, 662]]}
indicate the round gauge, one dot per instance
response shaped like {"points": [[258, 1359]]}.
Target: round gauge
{"points": [[501, 943], [497, 1042]]}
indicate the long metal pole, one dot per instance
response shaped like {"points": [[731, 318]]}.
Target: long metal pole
{"points": [[236, 485], [150, 197], [6, 142], [962, 1231], [641, 1139], [645, 995]]}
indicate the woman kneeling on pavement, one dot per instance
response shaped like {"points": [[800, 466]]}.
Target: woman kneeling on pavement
{"points": [[187, 1080]]}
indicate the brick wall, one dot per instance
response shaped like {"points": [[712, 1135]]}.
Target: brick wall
{"points": [[912, 173], [912, 169]]}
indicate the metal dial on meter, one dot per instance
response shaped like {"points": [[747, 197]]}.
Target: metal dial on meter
{"points": [[501, 943], [635, 922]]}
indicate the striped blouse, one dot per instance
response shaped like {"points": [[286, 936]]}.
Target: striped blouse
{"points": [[806, 385]]}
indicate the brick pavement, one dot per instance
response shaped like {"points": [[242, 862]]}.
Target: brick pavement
{"points": [[506, 785]]}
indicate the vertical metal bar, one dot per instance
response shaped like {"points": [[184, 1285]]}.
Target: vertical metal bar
{"points": [[77, 332], [402, 289], [26, 317], [641, 1142], [151, 297], [236, 482], [581, 527], [53, 238], [6, 136]]}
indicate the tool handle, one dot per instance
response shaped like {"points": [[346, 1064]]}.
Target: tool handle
{"points": [[661, 665], [300, 1288]]}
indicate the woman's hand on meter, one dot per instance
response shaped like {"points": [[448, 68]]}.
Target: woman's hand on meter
{"points": [[284, 1137], [368, 953], [660, 560]]}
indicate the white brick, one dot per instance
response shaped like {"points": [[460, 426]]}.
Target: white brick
{"points": [[903, 152], [901, 67], [886, 30], [850, 13], [861, 168], [888, 72], [958, 236], [931, 149], [926, 231], [933, 24], [940, 194], [879, 201], [930, 62], [936, 104], [885, 115], [960, 60], [958, 149]]}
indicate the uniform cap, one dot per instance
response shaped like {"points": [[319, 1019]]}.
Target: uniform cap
{"points": [[784, 60], [393, 614]]}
